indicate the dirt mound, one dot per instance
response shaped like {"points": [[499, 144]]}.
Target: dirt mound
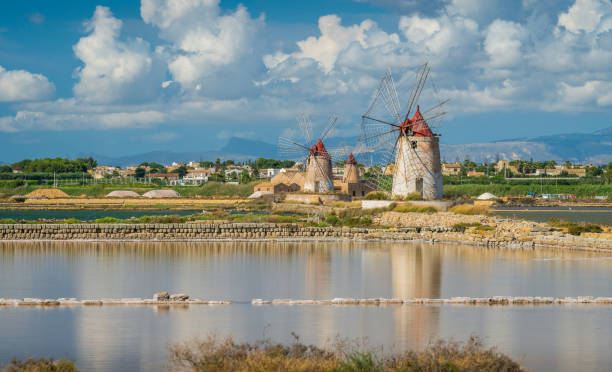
{"points": [[47, 193], [161, 194], [122, 194]]}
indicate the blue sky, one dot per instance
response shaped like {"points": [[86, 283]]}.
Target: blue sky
{"points": [[124, 77]]}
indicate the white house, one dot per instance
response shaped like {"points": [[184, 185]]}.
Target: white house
{"points": [[196, 177]]}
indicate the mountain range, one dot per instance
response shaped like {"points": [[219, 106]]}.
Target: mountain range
{"points": [[583, 148]]}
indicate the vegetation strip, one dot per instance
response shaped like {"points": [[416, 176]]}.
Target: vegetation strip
{"points": [[183, 299]]}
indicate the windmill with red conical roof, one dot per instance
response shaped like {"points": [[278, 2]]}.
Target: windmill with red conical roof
{"points": [[404, 142], [319, 177]]}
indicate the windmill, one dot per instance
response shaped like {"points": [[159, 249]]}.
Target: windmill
{"points": [[319, 177], [351, 183], [405, 145]]}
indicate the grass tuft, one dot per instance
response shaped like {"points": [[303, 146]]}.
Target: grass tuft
{"points": [[407, 208], [377, 195], [469, 209]]}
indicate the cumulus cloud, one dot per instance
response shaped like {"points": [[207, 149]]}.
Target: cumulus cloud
{"points": [[112, 69], [584, 15], [202, 39], [210, 63], [20, 85], [336, 38], [503, 43]]}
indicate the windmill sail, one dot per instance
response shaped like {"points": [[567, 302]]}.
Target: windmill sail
{"points": [[406, 147]]}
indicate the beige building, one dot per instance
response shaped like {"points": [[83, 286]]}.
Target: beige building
{"points": [[451, 169], [505, 164]]}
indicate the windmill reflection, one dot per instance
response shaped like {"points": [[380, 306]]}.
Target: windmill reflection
{"points": [[416, 273]]}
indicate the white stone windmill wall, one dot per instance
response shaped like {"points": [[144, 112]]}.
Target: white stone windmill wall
{"points": [[319, 177], [417, 168]]}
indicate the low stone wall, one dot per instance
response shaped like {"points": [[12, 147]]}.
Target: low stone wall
{"points": [[183, 231], [500, 233]]}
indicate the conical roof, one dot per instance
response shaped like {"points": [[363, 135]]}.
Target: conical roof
{"points": [[419, 126], [318, 149], [351, 159]]}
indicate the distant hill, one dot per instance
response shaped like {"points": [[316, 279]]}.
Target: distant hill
{"points": [[594, 148]]}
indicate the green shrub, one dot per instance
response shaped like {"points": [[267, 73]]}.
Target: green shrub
{"points": [[108, 220], [462, 226], [70, 221], [332, 220], [574, 228], [7, 221], [377, 195]]}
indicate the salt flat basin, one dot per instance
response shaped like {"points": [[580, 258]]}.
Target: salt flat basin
{"points": [[554, 337], [589, 214]]}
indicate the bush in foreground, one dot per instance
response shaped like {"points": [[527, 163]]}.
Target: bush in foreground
{"points": [[574, 228], [39, 365], [214, 354]]}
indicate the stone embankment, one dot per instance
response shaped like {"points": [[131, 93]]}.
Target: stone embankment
{"points": [[162, 298], [183, 299], [438, 227]]}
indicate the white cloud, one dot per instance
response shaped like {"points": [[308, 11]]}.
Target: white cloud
{"points": [[335, 38], [219, 64], [417, 29], [584, 15], [113, 70], [442, 36], [20, 85], [43, 120], [593, 91], [503, 43], [203, 40]]}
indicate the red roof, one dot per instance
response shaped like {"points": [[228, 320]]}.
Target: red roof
{"points": [[418, 125], [351, 159], [318, 148]]}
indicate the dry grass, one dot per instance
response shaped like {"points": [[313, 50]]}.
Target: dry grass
{"points": [[39, 365], [469, 209], [214, 354], [47, 193], [406, 208]]}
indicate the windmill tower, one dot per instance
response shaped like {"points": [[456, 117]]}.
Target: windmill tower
{"points": [[351, 171], [405, 143], [319, 177]]}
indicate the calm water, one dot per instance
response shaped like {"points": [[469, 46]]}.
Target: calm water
{"points": [[84, 214], [136, 338], [544, 214]]}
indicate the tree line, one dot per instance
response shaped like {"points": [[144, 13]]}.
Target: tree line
{"points": [[51, 165]]}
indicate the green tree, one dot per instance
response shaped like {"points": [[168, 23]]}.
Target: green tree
{"points": [[6, 169], [140, 172], [182, 171]]}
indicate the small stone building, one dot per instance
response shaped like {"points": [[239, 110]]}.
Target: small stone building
{"points": [[270, 187]]}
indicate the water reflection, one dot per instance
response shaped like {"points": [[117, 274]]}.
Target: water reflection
{"points": [[136, 338]]}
